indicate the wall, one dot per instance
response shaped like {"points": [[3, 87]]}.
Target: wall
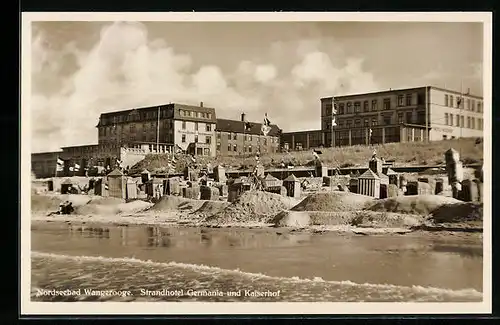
{"points": [[138, 131], [361, 112], [131, 156], [190, 134], [226, 143], [302, 140], [43, 165], [439, 107]]}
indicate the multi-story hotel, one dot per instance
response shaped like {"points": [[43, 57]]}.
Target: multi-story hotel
{"points": [[130, 135], [401, 115], [172, 126]]}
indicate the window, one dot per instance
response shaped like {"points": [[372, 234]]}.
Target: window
{"points": [[387, 120], [235, 148], [473, 105], [365, 106], [365, 122], [357, 123], [229, 147], [451, 101], [446, 118], [472, 123], [400, 100], [208, 127], [387, 103], [374, 121], [468, 104], [208, 140], [468, 122], [451, 120], [445, 100], [349, 108], [196, 139], [479, 107], [218, 135], [341, 123], [409, 117], [209, 115], [328, 109], [462, 121], [457, 121], [420, 99], [421, 117], [408, 99], [374, 105], [357, 107], [183, 125], [341, 109], [250, 149], [348, 123], [196, 126], [400, 118], [445, 137], [234, 136]]}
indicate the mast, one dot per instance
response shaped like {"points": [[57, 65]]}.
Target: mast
{"points": [[158, 132]]}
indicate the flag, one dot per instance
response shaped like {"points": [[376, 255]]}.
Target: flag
{"points": [[371, 132], [334, 123], [266, 121], [334, 109], [60, 165], [106, 187]]}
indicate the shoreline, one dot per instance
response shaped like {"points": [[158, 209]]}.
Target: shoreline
{"points": [[175, 220]]}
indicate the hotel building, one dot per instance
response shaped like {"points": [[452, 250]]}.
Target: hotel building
{"points": [[403, 115]]}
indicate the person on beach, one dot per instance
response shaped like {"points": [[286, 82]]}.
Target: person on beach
{"points": [[64, 208]]}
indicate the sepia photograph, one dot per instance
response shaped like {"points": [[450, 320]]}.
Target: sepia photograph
{"points": [[208, 160]]}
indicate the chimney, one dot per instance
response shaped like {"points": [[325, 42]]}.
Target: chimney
{"points": [[201, 104], [242, 117]]}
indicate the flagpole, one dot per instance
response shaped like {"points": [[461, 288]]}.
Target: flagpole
{"points": [[158, 132], [331, 121], [244, 132], [462, 104]]}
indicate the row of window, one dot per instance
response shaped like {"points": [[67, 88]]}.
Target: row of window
{"points": [[134, 117], [234, 148], [386, 120], [355, 107], [459, 120], [187, 113], [208, 139], [208, 127], [458, 102], [111, 130], [247, 137]]}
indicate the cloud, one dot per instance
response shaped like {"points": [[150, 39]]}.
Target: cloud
{"points": [[125, 68]]}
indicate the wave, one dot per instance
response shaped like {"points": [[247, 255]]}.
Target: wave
{"points": [[415, 289]]}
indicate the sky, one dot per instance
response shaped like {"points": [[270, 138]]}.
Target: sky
{"points": [[82, 69]]}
